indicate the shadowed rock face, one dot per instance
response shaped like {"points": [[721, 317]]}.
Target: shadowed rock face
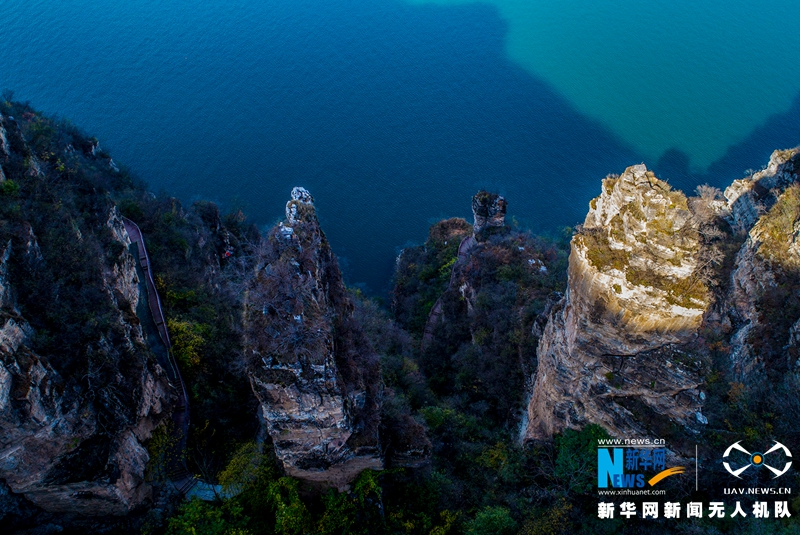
{"points": [[749, 197], [73, 420], [488, 210], [313, 371], [612, 345], [55, 449], [759, 304]]}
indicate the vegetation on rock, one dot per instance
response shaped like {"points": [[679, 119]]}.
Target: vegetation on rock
{"points": [[449, 414]]}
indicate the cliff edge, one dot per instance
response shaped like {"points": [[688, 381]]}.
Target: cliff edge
{"points": [[611, 351], [80, 390]]}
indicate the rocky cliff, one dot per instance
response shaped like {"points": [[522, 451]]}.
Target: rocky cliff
{"points": [[611, 351], [80, 392], [648, 271], [315, 375], [680, 319], [762, 304], [748, 198], [481, 288], [488, 210]]}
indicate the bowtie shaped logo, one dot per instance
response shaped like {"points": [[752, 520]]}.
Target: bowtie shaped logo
{"points": [[758, 459]]}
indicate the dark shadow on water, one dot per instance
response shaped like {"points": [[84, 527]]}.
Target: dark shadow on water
{"points": [[390, 114], [405, 117], [674, 166], [780, 131]]}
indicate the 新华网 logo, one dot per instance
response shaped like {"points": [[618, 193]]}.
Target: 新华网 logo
{"points": [[745, 459], [627, 468]]}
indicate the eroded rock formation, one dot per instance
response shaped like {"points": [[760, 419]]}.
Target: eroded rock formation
{"points": [[612, 346], [313, 371], [70, 445], [488, 210], [748, 198], [761, 304], [80, 391]]}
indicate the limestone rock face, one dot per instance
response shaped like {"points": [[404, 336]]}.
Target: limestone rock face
{"points": [[54, 449], [488, 210], [611, 347], [637, 254], [300, 207], [749, 197], [80, 391], [4, 148], [764, 344], [312, 369]]}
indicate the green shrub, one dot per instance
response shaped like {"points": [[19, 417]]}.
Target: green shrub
{"points": [[161, 449], [9, 188], [291, 515], [552, 521], [199, 518], [355, 513], [244, 469], [576, 458], [492, 520], [188, 339]]}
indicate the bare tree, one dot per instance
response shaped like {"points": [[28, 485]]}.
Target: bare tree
{"points": [[711, 233], [709, 193]]}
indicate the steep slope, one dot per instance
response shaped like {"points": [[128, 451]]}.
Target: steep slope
{"points": [[763, 303], [493, 283], [646, 275], [80, 392], [200, 260], [312, 369]]}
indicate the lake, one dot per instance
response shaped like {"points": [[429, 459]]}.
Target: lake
{"points": [[393, 113]]}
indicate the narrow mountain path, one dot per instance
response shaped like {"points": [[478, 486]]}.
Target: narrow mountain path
{"points": [[466, 245], [180, 477]]}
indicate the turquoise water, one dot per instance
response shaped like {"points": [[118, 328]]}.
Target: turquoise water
{"points": [[697, 76], [393, 113]]}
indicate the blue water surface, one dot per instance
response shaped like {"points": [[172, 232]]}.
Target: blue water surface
{"points": [[392, 114]]}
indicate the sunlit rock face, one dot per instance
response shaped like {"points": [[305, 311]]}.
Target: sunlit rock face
{"points": [[611, 351], [761, 305], [312, 369], [635, 257]]}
